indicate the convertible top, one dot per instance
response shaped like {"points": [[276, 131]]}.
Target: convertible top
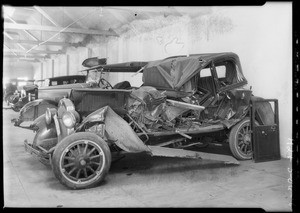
{"points": [[174, 72]]}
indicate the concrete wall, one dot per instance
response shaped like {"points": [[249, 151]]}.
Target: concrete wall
{"points": [[261, 36]]}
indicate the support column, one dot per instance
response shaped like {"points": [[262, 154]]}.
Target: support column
{"points": [[52, 67], [68, 64], [42, 71]]}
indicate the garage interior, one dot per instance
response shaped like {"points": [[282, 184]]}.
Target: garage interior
{"points": [[42, 42]]}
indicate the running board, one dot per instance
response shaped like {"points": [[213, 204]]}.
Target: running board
{"points": [[181, 153]]}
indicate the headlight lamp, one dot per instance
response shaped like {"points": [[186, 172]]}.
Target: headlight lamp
{"points": [[70, 118]]}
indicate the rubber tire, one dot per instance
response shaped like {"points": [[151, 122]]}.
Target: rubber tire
{"points": [[233, 140], [69, 140]]}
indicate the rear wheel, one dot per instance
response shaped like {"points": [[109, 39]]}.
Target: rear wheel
{"points": [[81, 160], [240, 140]]}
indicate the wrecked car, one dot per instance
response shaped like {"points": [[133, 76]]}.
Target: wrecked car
{"points": [[184, 101]]}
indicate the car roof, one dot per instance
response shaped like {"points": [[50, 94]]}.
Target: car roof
{"points": [[175, 71], [134, 66]]}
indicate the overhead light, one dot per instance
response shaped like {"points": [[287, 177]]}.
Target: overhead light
{"points": [[8, 10]]}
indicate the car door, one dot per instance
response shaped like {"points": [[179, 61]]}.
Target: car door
{"points": [[265, 132]]}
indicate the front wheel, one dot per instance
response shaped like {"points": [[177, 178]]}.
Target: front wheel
{"points": [[240, 140], [81, 160]]}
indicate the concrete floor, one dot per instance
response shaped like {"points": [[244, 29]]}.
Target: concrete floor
{"points": [[139, 180]]}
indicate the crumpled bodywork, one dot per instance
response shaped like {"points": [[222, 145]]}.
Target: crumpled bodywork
{"points": [[117, 129], [119, 132]]}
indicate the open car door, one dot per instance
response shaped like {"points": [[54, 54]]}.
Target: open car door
{"points": [[265, 130]]}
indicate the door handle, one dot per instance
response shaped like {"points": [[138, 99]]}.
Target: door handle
{"points": [[273, 128], [264, 133]]}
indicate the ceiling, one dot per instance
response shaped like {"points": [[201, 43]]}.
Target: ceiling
{"points": [[35, 33]]}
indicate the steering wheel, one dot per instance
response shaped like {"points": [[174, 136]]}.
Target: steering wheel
{"points": [[105, 84]]}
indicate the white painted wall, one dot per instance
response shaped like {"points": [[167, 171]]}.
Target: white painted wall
{"points": [[261, 36]]}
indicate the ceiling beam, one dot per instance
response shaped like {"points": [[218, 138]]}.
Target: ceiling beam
{"points": [[28, 33], [72, 18], [10, 50], [53, 43], [23, 56], [147, 9], [58, 29], [41, 11], [122, 20], [11, 38], [35, 51], [23, 59]]}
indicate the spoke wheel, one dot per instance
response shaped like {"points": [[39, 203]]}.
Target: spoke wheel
{"points": [[240, 140], [81, 160]]}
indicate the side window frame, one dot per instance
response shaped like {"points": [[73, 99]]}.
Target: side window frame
{"points": [[213, 75], [230, 86]]}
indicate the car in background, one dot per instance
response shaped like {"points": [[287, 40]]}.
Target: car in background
{"points": [[185, 101], [55, 88], [18, 92]]}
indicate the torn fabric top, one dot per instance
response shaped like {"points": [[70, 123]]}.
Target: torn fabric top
{"points": [[174, 72]]}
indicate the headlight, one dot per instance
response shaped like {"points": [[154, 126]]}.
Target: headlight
{"points": [[49, 115], [70, 118]]}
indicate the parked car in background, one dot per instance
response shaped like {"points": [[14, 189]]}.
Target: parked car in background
{"points": [[47, 95], [184, 101], [18, 92], [24, 95], [51, 90], [9, 92]]}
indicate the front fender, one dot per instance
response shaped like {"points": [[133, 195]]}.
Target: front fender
{"points": [[117, 129], [32, 110], [46, 135]]}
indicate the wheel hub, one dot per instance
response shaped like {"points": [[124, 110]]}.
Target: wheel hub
{"points": [[247, 139], [82, 161]]}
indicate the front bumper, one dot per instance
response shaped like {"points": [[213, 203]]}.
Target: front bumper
{"points": [[42, 156]]}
